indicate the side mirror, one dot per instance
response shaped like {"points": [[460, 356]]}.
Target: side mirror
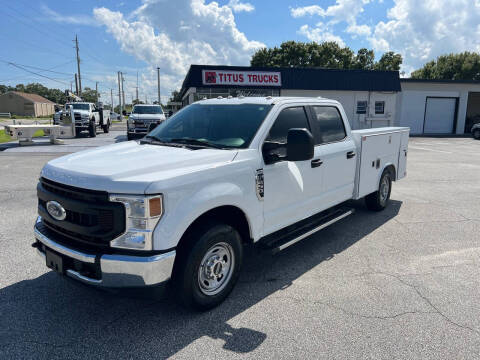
{"points": [[300, 145], [124, 112]]}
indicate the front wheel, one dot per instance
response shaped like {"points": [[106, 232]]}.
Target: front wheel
{"points": [[209, 266], [476, 134], [378, 200]]}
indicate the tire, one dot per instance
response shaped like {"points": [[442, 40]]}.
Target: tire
{"points": [[77, 132], [106, 128], [92, 129], [201, 280], [476, 134], [378, 200], [129, 136]]}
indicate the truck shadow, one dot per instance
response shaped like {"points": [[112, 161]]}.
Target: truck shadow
{"points": [[51, 316]]}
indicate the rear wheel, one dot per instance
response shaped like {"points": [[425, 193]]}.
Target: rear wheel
{"points": [[378, 200], [106, 128], [92, 129], [476, 134], [208, 267]]}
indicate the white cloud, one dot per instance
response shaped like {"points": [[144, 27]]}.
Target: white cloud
{"points": [[423, 30], [307, 10], [342, 11], [173, 35], [78, 19], [319, 33], [238, 6]]}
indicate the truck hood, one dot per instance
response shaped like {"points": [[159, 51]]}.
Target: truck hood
{"points": [[147, 116], [129, 167], [82, 112]]}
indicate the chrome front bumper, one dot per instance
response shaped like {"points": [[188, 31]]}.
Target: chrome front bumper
{"points": [[116, 270]]}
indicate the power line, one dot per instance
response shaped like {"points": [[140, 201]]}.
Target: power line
{"points": [[47, 70], [32, 72]]}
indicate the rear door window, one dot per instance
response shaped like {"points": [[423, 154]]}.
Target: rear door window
{"points": [[329, 123]]}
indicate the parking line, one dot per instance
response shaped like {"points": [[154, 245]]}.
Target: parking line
{"points": [[421, 148]]}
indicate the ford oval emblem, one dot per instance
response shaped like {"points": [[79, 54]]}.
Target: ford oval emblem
{"points": [[56, 210]]}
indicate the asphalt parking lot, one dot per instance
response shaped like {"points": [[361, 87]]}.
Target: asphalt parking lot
{"points": [[403, 283]]}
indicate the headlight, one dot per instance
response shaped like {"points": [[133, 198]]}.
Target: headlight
{"points": [[142, 215]]}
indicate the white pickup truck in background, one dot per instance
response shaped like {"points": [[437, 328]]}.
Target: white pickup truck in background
{"points": [[87, 117], [143, 119], [181, 203]]}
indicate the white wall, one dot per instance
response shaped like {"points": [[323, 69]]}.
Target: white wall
{"points": [[349, 99], [412, 99]]}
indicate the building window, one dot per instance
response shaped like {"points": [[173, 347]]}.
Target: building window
{"points": [[361, 107], [379, 107]]}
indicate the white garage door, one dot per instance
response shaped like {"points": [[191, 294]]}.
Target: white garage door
{"points": [[440, 115]]}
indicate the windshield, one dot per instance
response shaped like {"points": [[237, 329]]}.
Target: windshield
{"points": [[80, 106], [147, 110], [230, 126]]}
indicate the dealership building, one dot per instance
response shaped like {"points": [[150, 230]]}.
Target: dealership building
{"points": [[370, 98]]}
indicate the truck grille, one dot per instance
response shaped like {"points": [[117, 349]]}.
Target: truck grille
{"points": [[90, 218]]}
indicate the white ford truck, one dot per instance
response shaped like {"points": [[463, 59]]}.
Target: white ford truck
{"points": [[181, 203], [143, 119], [87, 116]]}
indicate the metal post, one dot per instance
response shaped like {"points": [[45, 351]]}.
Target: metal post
{"points": [[96, 91], [78, 67], [136, 89], [158, 84], [123, 89], [120, 96], [111, 99]]}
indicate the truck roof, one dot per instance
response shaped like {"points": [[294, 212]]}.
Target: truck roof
{"points": [[267, 100]]}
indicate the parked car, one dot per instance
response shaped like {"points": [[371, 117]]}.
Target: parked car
{"points": [[476, 131], [219, 174], [143, 118]]}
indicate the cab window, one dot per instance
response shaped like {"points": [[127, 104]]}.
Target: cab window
{"points": [[289, 118]]}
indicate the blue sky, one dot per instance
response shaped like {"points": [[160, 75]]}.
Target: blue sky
{"points": [[133, 36]]}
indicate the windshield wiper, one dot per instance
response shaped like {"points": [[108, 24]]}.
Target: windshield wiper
{"points": [[191, 141], [149, 139]]}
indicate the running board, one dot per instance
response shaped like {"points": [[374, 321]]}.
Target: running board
{"points": [[317, 223]]}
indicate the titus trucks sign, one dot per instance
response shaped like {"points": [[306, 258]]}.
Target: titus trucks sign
{"points": [[241, 78]]}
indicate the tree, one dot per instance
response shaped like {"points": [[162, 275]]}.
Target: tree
{"points": [[389, 61], [326, 55], [175, 96], [89, 95], [462, 66], [365, 59]]}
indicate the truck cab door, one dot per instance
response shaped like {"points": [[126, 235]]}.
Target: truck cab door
{"points": [[291, 188], [337, 152]]}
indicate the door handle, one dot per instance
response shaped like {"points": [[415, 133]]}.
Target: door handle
{"points": [[350, 154], [316, 163]]}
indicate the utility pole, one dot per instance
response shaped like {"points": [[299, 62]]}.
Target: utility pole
{"points": [[137, 88], [120, 96], [76, 84], [123, 89], [111, 98], [71, 86], [158, 83], [96, 90], [78, 67]]}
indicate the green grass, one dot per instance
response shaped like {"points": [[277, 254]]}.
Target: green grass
{"points": [[6, 138]]}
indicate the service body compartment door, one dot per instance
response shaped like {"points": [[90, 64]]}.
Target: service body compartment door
{"points": [[379, 149], [402, 156]]}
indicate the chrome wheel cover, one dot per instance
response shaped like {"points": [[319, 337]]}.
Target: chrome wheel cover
{"points": [[216, 268], [384, 189]]}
